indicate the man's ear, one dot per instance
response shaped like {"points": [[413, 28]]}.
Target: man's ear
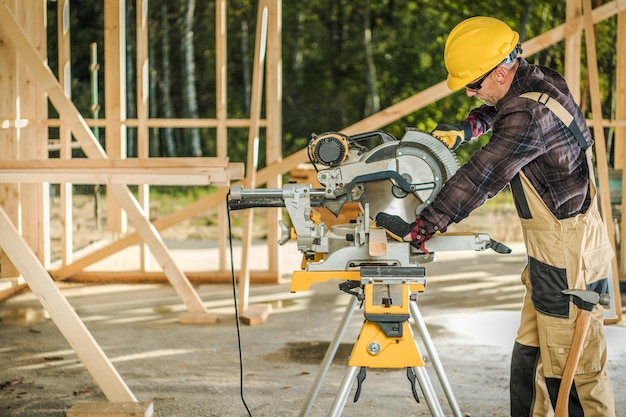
{"points": [[501, 74]]}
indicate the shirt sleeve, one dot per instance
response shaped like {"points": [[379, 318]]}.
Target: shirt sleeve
{"points": [[481, 119], [512, 146]]}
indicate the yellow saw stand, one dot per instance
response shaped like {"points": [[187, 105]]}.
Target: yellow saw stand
{"points": [[386, 340]]}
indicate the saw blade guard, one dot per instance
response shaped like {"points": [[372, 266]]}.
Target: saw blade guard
{"points": [[398, 177]]}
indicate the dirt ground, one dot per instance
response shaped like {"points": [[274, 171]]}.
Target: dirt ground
{"points": [[470, 306]]}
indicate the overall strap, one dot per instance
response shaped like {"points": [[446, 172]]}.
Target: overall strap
{"points": [[560, 112], [568, 120]]}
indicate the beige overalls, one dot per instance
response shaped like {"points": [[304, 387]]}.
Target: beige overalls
{"points": [[564, 254]]}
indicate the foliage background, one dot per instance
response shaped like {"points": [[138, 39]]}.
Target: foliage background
{"points": [[342, 61]]}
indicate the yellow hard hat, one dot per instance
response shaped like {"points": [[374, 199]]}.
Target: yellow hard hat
{"points": [[476, 46]]}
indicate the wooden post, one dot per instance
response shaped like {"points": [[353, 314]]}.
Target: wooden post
{"points": [[600, 145], [115, 98], [274, 143], [143, 149], [65, 136], [221, 110], [258, 315], [33, 138], [573, 43], [9, 193], [91, 147], [620, 131]]}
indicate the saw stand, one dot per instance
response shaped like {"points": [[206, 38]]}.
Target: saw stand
{"points": [[386, 340]]}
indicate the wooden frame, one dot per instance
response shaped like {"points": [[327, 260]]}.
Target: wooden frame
{"points": [[276, 163], [26, 233]]}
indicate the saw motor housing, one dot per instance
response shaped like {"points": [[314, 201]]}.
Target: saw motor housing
{"points": [[398, 177]]}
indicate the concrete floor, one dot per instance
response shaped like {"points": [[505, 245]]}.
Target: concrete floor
{"points": [[470, 306]]}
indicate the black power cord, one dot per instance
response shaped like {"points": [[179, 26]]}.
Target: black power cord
{"points": [[234, 282]]}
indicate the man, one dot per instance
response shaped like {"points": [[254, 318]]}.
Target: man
{"points": [[539, 146]]}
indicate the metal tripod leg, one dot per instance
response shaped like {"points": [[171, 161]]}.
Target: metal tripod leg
{"points": [[344, 390], [434, 357], [420, 373], [429, 391], [329, 356]]}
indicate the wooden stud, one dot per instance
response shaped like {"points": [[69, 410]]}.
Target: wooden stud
{"points": [[255, 314], [33, 138], [274, 133], [115, 98], [65, 136], [143, 150], [93, 149], [252, 159], [9, 193], [530, 47], [117, 409], [573, 47], [221, 110], [620, 132], [600, 146]]}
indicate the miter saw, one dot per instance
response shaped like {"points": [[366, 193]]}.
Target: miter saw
{"points": [[398, 177], [395, 177]]}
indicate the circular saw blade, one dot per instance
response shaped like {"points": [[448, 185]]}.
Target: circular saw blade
{"points": [[379, 196], [420, 159]]}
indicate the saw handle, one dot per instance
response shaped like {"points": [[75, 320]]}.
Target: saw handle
{"points": [[453, 135]]}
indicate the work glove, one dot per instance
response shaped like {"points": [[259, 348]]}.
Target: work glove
{"points": [[453, 135], [417, 232]]}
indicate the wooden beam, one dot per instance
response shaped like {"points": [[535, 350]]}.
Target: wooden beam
{"points": [[115, 98], [156, 122], [9, 193], [65, 135], [33, 138], [600, 147], [161, 171], [253, 144], [573, 47], [62, 313], [274, 132], [290, 162], [574, 25], [221, 110], [144, 277], [143, 133], [192, 164], [13, 31], [113, 178], [620, 131]]}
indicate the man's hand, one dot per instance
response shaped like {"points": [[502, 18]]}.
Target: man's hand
{"points": [[453, 135], [417, 232]]}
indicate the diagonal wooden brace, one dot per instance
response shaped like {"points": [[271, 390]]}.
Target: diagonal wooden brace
{"points": [[92, 148]]}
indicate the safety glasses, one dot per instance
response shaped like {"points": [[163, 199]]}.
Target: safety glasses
{"points": [[478, 84]]}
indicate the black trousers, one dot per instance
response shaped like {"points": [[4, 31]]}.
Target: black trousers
{"points": [[524, 362]]}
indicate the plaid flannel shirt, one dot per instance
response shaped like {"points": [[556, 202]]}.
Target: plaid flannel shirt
{"points": [[526, 136]]}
